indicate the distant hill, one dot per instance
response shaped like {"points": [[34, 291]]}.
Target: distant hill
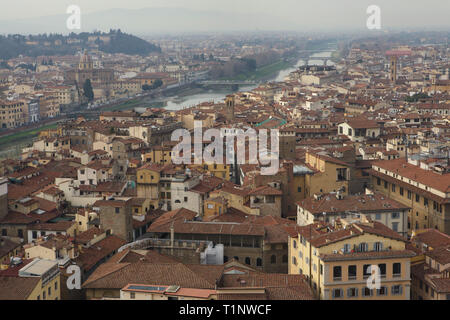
{"points": [[57, 44], [147, 21]]}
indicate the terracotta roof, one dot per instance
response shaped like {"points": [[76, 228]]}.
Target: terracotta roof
{"points": [[17, 288], [89, 257], [360, 203], [117, 276], [7, 245], [56, 226], [265, 190], [441, 254], [432, 238], [88, 235], [429, 178]]}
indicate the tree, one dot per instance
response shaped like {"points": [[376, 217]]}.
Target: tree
{"points": [[158, 83], [88, 91]]}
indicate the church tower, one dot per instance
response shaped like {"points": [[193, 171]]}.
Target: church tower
{"points": [[229, 106], [86, 62]]}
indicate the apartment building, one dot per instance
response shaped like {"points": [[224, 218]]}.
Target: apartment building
{"points": [[12, 113], [32, 279], [337, 259], [425, 191], [376, 206]]}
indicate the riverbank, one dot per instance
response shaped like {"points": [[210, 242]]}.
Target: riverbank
{"points": [[264, 72], [13, 144], [177, 98]]}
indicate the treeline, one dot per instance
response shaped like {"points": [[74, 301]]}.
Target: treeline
{"points": [[12, 46]]}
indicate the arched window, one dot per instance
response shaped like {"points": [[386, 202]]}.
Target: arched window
{"points": [[247, 260], [295, 244], [273, 259], [259, 262], [236, 258]]}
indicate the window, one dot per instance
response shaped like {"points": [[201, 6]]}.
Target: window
{"points": [[49, 291], [352, 292], [273, 259], [295, 244], [396, 269], [346, 248], [247, 260], [401, 191], [299, 189], [378, 181], [337, 293], [20, 233], [396, 290], [382, 267], [378, 246], [341, 174], [393, 187], [378, 216], [366, 292], [382, 291], [363, 247], [117, 210], [395, 226], [294, 260], [185, 199], [56, 285], [395, 215], [366, 272], [409, 195], [385, 184], [352, 272], [4, 232], [259, 262], [337, 273]]}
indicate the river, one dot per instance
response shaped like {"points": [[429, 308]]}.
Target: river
{"points": [[218, 95], [178, 102]]}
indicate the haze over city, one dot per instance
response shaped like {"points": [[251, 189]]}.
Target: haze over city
{"points": [[140, 16]]}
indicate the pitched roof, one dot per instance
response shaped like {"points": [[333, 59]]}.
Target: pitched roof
{"points": [[17, 288]]}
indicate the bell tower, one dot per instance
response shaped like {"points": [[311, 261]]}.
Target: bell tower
{"points": [[229, 105], [86, 62]]}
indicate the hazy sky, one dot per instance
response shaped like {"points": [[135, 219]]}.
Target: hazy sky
{"points": [[314, 13]]}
